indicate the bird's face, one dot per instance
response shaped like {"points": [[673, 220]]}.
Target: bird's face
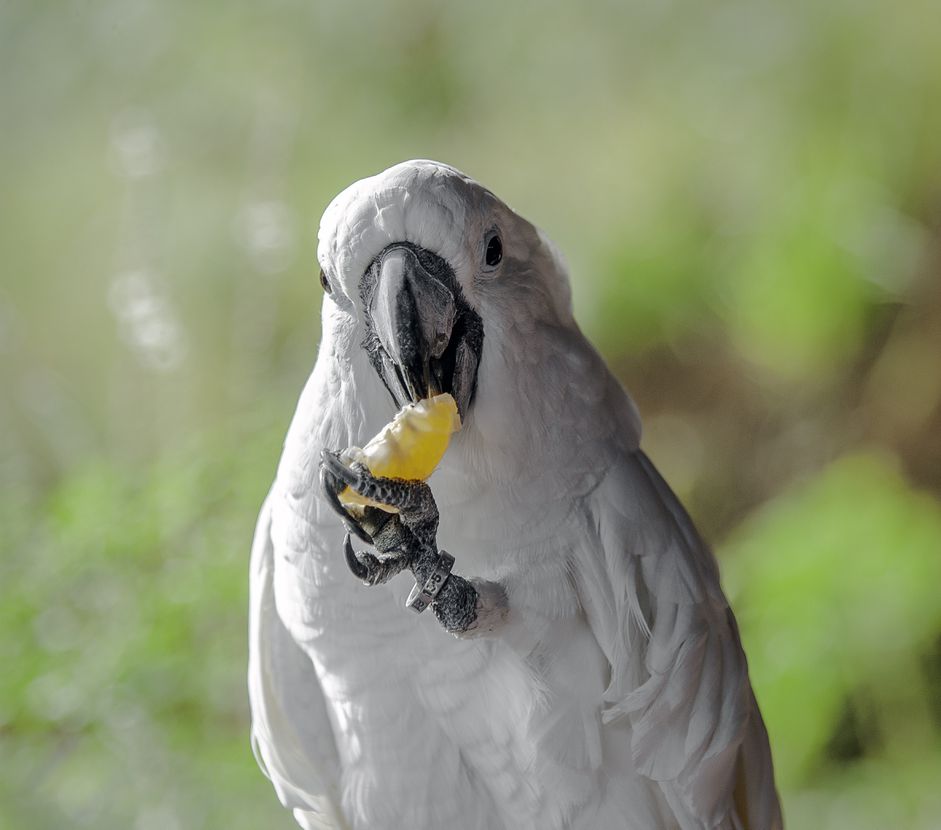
{"points": [[427, 273], [423, 270]]}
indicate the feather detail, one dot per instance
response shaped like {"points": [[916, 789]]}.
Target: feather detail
{"points": [[678, 672], [292, 737]]}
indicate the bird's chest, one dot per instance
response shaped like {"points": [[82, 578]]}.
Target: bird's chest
{"points": [[399, 686], [421, 717]]}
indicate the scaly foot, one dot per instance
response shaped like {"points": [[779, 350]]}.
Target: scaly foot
{"points": [[408, 540]]}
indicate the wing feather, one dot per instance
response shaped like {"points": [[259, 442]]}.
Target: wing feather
{"points": [[292, 737], [678, 672]]}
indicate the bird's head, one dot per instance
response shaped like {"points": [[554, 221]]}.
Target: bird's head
{"points": [[426, 273]]}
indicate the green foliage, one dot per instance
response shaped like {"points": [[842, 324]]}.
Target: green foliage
{"points": [[123, 700], [836, 587]]}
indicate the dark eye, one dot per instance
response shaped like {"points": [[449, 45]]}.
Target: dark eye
{"points": [[494, 252], [325, 282]]}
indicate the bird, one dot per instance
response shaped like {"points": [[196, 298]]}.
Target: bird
{"points": [[581, 667]]}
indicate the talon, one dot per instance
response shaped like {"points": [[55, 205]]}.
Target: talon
{"points": [[355, 475], [356, 530], [331, 462], [369, 569], [360, 571], [331, 490]]}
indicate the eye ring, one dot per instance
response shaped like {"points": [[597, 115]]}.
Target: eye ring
{"points": [[493, 250], [325, 283]]}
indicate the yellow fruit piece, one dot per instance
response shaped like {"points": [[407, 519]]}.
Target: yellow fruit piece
{"points": [[410, 446]]}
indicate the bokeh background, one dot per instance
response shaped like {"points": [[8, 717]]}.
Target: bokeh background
{"points": [[749, 194]]}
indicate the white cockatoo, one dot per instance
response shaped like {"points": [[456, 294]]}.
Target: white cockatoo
{"points": [[581, 668]]}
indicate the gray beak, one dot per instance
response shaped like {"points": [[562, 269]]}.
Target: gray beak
{"points": [[413, 314], [423, 336]]}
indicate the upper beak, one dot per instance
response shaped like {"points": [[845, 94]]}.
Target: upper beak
{"points": [[413, 316], [429, 338]]}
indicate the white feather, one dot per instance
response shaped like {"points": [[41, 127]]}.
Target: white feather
{"points": [[684, 689], [291, 733]]}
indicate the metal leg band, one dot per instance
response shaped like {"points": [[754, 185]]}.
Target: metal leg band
{"points": [[419, 598]]}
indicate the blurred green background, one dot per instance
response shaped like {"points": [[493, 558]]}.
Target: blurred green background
{"points": [[749, 195]]}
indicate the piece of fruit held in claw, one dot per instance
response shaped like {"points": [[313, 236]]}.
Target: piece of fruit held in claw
{"points": [[409, 446]]}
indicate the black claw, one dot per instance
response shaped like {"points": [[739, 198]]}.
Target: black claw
{"points": [[331, 462], [357, 531], [369, 569], [360, 571], [328, 485], [331, 489]]}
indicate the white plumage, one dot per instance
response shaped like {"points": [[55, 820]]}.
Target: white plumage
{"points": [[616, 694]]}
